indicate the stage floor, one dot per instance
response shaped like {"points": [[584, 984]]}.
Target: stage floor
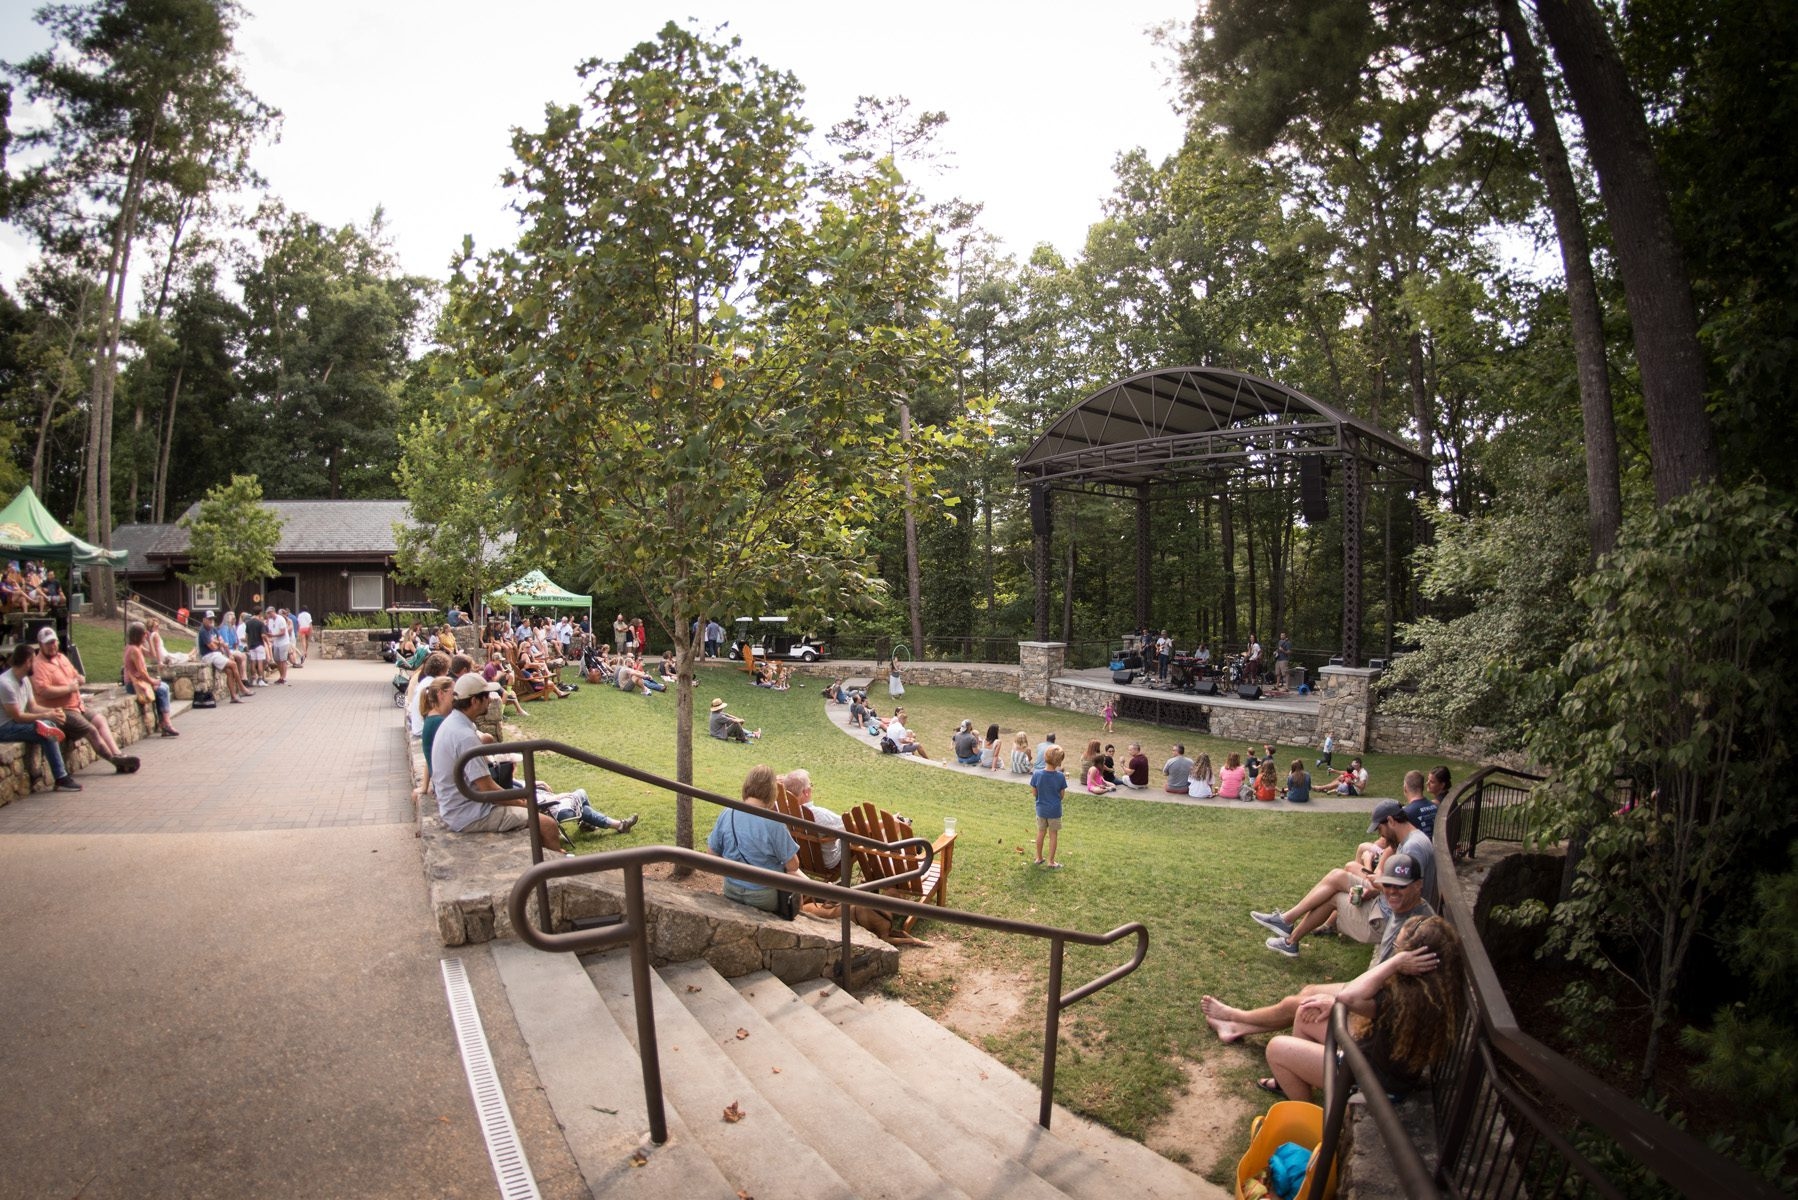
{"points": [[1100, 678]]}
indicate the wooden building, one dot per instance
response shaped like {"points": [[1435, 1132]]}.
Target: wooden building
{"points": [[335, 556]]}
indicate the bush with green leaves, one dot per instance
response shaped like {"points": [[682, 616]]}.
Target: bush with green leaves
{"points": [[1677, 686]]}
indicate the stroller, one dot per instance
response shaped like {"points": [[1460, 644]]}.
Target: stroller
{"points": [[401, 681]]}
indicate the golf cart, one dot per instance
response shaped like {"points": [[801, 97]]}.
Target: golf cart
{"points": [[770, 637]]}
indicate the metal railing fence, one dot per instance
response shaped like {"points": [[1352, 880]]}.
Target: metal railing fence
{"points": [[634, 928]]}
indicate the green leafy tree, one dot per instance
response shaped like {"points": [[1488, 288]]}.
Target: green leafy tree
{"points": [[144, 107], [231, 539], [1677, 687], [686, 375], [330, 319]]}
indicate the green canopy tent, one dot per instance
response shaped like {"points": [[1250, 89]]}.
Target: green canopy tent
{"points": [[540, 591], [28, 531]]}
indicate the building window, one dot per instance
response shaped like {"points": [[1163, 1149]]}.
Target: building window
{"points": [[206, 595], [367, 593]]}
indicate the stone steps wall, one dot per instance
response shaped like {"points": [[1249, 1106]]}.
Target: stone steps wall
{"points": [[22, 769]]}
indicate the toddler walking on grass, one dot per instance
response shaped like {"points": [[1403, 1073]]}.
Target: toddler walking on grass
{"points": [[1049, 784], [1111, 712]]}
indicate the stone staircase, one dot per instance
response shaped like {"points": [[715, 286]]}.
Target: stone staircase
{"points": [[839, 1097]]}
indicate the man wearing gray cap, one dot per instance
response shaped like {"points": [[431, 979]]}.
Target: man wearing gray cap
{"points": [[457, 734], [1399, 884], [1336, 892]]}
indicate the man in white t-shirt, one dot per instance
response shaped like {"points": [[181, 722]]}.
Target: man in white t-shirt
{"points": [[280, 635]]}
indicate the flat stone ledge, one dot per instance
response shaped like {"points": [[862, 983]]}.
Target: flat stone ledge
{"points": [[470, 876]]}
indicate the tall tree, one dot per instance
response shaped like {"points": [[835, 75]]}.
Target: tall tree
{"points": [[143, 96], [1656, 285], [330, 322], [673, 370]]}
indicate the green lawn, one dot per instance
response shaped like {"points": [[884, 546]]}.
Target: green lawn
{"points": [[1190, 874], [102, 646]]}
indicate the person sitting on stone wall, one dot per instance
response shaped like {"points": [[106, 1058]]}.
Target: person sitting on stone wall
{"points": [[140, 677], [57, 684], [25, 720], [457, 735], [211, 647]]}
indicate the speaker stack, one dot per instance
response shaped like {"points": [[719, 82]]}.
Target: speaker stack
{"points": [[1314, 497], [1205, 687], [1248, 691]]}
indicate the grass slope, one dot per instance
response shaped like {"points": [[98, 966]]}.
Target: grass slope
{"points": [[1190, 874]]}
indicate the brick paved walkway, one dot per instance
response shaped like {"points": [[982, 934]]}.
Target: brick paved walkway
{"points": [[323, 751]]}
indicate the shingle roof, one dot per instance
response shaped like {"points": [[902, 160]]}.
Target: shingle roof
{"points": [[137, 541], [322, 528]]}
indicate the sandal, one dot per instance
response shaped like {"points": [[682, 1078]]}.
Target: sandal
{"points": [[1268, 1083]]}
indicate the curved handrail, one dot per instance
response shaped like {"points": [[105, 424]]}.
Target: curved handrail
{"points": [[634, 930], [1673, 1154]]}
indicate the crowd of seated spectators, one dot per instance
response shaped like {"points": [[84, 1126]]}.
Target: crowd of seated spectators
{"points": [[28, 587]]}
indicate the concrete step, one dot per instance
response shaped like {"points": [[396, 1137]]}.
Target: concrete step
{"points": [[851, 1139], [911, 1117], [761, 1154], [588, 1071], [1081, 1157]]}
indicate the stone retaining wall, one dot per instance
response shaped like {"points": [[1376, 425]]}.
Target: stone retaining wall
{"points": [[983, 677], [346, 643], [1393, 734], [22, 773], [470, 876]]}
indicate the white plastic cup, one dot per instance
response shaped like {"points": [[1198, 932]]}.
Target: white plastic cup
{"points": [[948, 825]]}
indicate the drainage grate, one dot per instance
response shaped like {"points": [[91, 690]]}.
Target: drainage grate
{"points": [[509, 1165]]}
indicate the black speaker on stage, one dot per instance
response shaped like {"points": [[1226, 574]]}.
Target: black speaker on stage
{"points": [[1123, 677], [1205, 687], [1314, 497], [1248, 691], [1039, 511]]}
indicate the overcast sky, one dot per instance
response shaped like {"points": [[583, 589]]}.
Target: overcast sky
{"points": [[408, 105]]}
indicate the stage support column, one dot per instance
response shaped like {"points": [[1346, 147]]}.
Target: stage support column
{"points": [[1351, 555], [1143, 619], [1041, 523]]}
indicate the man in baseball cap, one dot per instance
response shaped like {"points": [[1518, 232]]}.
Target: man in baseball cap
{"points": [[57, 684], [1334, 892], [473, 693]]}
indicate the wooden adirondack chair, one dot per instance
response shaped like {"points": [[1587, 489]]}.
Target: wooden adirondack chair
{"points": [[525, 687], [811, 845], [877, 865]]}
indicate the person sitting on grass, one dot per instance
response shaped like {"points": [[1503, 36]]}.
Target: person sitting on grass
{"points": [[1204, 779], [456, 735], [755, 841], [1095, 780], [25, 721], [1400, 900], [728, 727], [1267, 784], [967, 744], [1334, 892], [989, 748], [1020, 754], [576, 807], [1178, 770], [1352, 782], [1406, 1017], [1298, 783], [1232, 779], [904, 740], [56, 684], [1136, 768], [1049, 784]]}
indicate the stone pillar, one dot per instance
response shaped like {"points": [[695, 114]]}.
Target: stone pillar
{"points": [[1038, 663], [1345, 706]]}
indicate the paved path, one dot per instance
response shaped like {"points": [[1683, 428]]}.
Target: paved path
{"points": [[220, 976]]}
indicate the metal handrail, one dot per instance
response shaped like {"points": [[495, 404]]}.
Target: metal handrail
{"points": [[527, 792], [634, 931], [1673, 1154], [1345, 1063]]}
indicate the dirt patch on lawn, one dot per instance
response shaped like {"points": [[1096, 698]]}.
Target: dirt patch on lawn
{"points": [[1201, 1127]]}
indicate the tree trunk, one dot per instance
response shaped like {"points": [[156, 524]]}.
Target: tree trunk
{"points": [[1226, 535], [1656, 286], [1604, 494], [913, 598], [159, 502]]}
